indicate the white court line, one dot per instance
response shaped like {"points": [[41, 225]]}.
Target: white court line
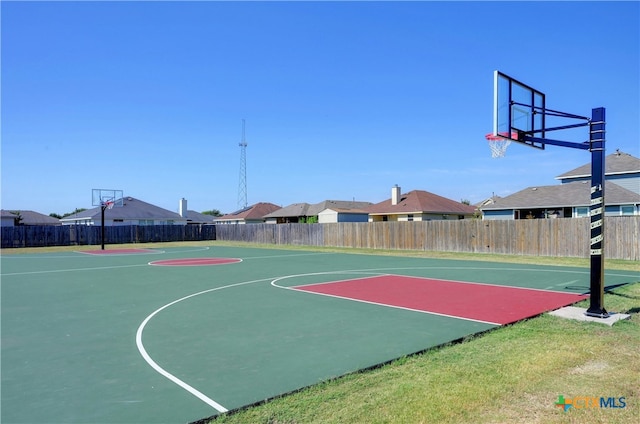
{"points": [[163, 262], [36, 256], [71, 270], [75, 254], [141, 252], [179, 249], [167, 374], [288, 256], [147, 251]]}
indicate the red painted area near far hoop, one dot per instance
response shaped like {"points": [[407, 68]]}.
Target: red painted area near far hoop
{"points": [[482, 302], [195, 262]]}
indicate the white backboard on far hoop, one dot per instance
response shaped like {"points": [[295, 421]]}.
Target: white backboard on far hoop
{"points": [[101, 196]]}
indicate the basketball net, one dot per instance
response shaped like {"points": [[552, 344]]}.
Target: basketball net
{"points": [[109, 204], [498, 145]]}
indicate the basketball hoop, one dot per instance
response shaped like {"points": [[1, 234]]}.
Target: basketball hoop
{"points": [[109, 204], [499, 144]]}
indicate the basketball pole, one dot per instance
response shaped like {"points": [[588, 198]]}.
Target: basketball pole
{"points": [[596, 145], [596, 211], [103, 207]]}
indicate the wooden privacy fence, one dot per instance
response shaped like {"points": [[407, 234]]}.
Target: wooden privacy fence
{"points": [[536, 237], [70, 235]]}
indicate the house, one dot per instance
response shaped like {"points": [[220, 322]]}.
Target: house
{"points": [[572, 198], [133, 212], [7, 219], [569, 200], [254, 214], [329, 210], [621, 168], [418, 205], [334, 214], [296, 212], [10, 218]]}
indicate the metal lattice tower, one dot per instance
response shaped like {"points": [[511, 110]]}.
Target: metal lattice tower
{"points": [[242, 185]]}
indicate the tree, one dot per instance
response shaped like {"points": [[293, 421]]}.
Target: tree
{"points": [[465, 201], [212, 212], [78, 210], [55, 215], [308, 220], [17, 220]]}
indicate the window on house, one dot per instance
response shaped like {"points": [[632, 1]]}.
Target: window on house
{"points": [[612, 211], [627, 209], [410, 217], [582, 212]]}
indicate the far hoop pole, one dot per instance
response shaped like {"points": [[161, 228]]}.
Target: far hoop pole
{"points": [[103, 207]]}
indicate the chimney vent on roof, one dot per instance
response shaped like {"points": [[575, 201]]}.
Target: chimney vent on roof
{"points": [[183, 208], [395, 194]]}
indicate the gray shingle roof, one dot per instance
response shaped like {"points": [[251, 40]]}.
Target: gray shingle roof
{"points": [[333, 204], [31, 217], [132, 209], [295, 209], [194, 216], [615, 163], [563, 195], [6, 214]]}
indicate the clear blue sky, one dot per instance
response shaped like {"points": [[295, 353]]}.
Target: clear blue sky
{"points": [[342, 100]]}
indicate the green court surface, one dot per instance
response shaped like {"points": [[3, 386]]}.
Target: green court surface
{"points": [[111, 338]]}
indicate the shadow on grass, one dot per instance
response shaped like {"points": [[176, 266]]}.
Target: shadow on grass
{"points": [[607, 289]]}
